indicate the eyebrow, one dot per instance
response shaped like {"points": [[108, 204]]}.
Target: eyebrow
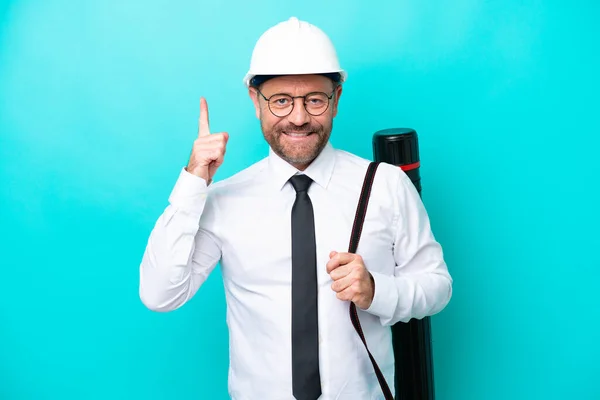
{"points": [[291, 95]]}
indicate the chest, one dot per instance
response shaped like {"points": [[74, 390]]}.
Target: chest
{"points": [[256, 236]]}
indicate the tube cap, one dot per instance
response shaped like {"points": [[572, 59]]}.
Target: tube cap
{"points": [[398, 146]]}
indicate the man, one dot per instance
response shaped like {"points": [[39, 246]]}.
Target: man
{"points": [[280, 230]]}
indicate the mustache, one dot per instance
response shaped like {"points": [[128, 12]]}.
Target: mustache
{"points": [[306, 128]]}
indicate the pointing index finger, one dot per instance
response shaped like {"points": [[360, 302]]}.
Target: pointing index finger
{"points": [[203, 127]]}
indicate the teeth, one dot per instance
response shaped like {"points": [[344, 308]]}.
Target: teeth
{"points": [[297, 134]]}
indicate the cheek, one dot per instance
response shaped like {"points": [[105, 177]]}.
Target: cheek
{"points": [[261, 112], [268, 122], [323, 120]]}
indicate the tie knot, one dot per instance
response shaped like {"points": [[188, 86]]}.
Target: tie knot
{"points": [[301, 183]]}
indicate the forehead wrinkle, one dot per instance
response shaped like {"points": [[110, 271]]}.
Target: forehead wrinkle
{"points": [[296, 86]]}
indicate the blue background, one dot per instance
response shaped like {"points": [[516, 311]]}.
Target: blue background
{"points": [[98, 112]]}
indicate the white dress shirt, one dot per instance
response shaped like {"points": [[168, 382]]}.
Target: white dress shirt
{"points": [[244, 222]]}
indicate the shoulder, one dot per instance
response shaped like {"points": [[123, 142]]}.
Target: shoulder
{"points": [[386, 175], [392, 188], [240, 181]]}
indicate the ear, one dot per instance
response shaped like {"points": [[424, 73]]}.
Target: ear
{"points": [[254, 96], [336, 98]]}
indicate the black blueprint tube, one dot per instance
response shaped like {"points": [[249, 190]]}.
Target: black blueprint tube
{"points": [[411, 340]]}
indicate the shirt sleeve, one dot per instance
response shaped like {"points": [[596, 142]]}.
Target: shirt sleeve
{"points": [[182, 250], [421, 285]]}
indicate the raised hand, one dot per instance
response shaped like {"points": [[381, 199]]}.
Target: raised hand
{"points": [[209, 148]]}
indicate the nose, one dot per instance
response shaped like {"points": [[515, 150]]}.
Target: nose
{"points": [[299, 116]]}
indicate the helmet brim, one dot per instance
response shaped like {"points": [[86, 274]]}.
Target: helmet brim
{"points": [[253, 79]]}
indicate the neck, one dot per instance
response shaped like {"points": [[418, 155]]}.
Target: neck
{"points": [[300, 167]]}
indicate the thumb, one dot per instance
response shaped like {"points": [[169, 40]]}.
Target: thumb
{"points": [[332, 254]]}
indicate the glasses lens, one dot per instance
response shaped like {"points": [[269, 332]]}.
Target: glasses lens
{"points": [[316, 103], [281, 104]]}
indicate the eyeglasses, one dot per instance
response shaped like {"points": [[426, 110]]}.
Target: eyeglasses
{"points": [[315, 103]]}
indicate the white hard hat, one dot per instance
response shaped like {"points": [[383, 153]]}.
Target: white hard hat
{"points": [[293, 47]]}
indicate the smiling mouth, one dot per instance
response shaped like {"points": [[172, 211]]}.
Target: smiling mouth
{"points": [[297, 134]]}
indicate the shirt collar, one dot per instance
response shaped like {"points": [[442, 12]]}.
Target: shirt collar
{"points": [[320, 170]]}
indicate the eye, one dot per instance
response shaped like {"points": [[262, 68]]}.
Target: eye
{"points": [[280, 101], [315, 101]]}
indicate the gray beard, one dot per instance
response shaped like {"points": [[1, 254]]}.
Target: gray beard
{"points": [[272, 138]]}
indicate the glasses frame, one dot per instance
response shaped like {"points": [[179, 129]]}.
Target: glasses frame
{"points": [[267, 99]]}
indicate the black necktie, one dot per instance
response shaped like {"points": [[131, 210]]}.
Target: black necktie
{"points": [[305, 332]]}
